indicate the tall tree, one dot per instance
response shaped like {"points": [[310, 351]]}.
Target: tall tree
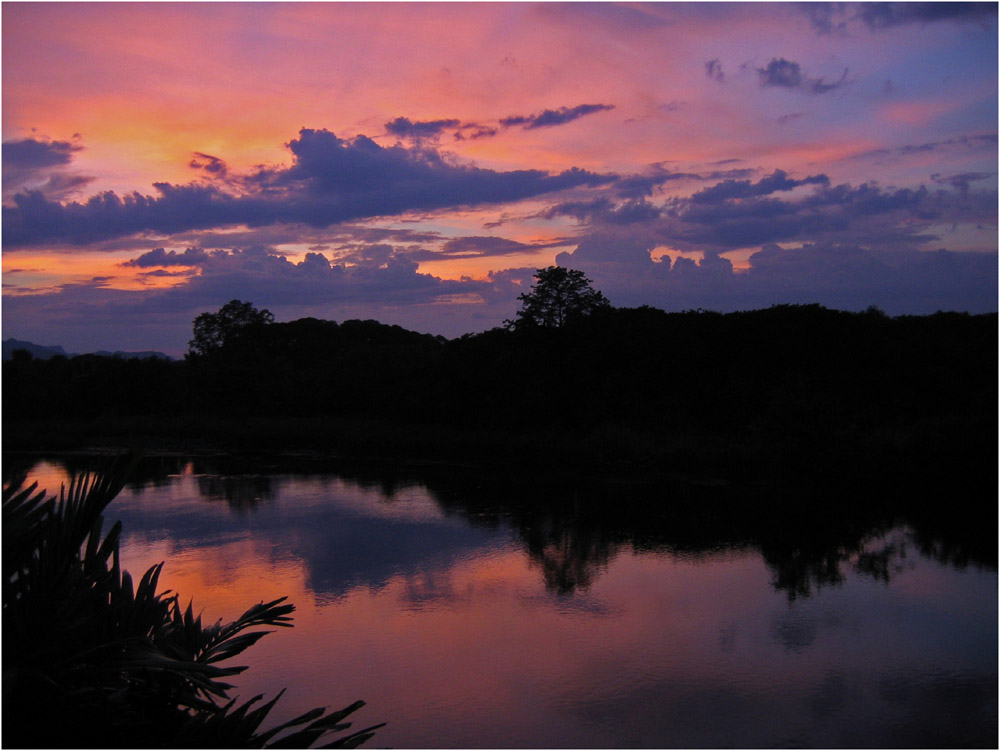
{"points": [[213, 330], [558, 295]]}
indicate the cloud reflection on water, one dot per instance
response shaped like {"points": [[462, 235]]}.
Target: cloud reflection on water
{"points": [[458, 635]]}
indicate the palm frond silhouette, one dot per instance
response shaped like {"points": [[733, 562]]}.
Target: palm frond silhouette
{"points": [[92, 660]]}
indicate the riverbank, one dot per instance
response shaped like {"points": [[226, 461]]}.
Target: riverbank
{"points": [[958, 453]]}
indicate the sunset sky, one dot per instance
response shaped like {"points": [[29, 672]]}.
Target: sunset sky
{"points": [[415, 163]]}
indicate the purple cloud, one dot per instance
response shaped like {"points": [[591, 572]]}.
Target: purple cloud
{"points": [[846, 277], [163, 257], [975, 142], [331, 180], [375, 275], [403, 127], [160, 273], [879, 16], [474, 131], [549, 118], [773, 183], [734, 214], [477, 246], [214, 166], [643, 185], [786, 74], [30, 153], [962, 181], [864, 214], [40, 165], [784, 119], [833, 18], [713, 69]]}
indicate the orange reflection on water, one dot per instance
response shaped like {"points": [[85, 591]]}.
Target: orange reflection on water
{"points": [[484, 635], [465, 636], [247, 576]]}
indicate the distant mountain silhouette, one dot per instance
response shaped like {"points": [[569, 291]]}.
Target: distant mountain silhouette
{"points": [[141, 355], [43, 352], [40, 351]]}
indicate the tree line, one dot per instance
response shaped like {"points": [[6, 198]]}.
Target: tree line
{"points": [[798, 376]]}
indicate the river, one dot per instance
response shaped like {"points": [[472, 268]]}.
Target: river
{"points": [[514, 612]]}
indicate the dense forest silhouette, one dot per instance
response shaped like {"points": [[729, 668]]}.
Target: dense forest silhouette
{"points": [[792, 391]]}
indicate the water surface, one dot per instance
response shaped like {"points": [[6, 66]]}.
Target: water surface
{"points": [[485, 613]]}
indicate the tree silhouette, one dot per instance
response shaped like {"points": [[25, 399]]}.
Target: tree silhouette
{"points": [[557, 296], [213, 330]]}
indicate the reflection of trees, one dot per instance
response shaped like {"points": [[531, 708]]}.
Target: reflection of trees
{"points": [[568, 553], [883, 563], [880, 555], [571, 528], [242, 493], [797, 572], [155, 471]]}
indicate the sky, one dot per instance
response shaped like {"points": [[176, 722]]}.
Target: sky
{"points": [[415, 163]]}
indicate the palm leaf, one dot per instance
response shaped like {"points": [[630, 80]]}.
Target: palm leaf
{"points": [[102, 662]]}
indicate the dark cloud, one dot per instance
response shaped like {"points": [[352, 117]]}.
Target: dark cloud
{"points": [[160, 273], [713, 69], [368, 254], [479, 246], [786, 74], [959, 143], [865, 214], [638, 186], [821, 86], [40, 165], [826, 18], [589, 210], [835, 17], [773, 183], [549, 118], [377, 274], [380, 234], [164, 257], [403, 127], [630, 212], [90, 315], [614, 253], [208, 163], [474, 131], [961, 182], [783, 119], [847, 277], [738, 213], [474, 246], [32, 154], [781, 72], [331, 180], [603, 211], [878, 16]]}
